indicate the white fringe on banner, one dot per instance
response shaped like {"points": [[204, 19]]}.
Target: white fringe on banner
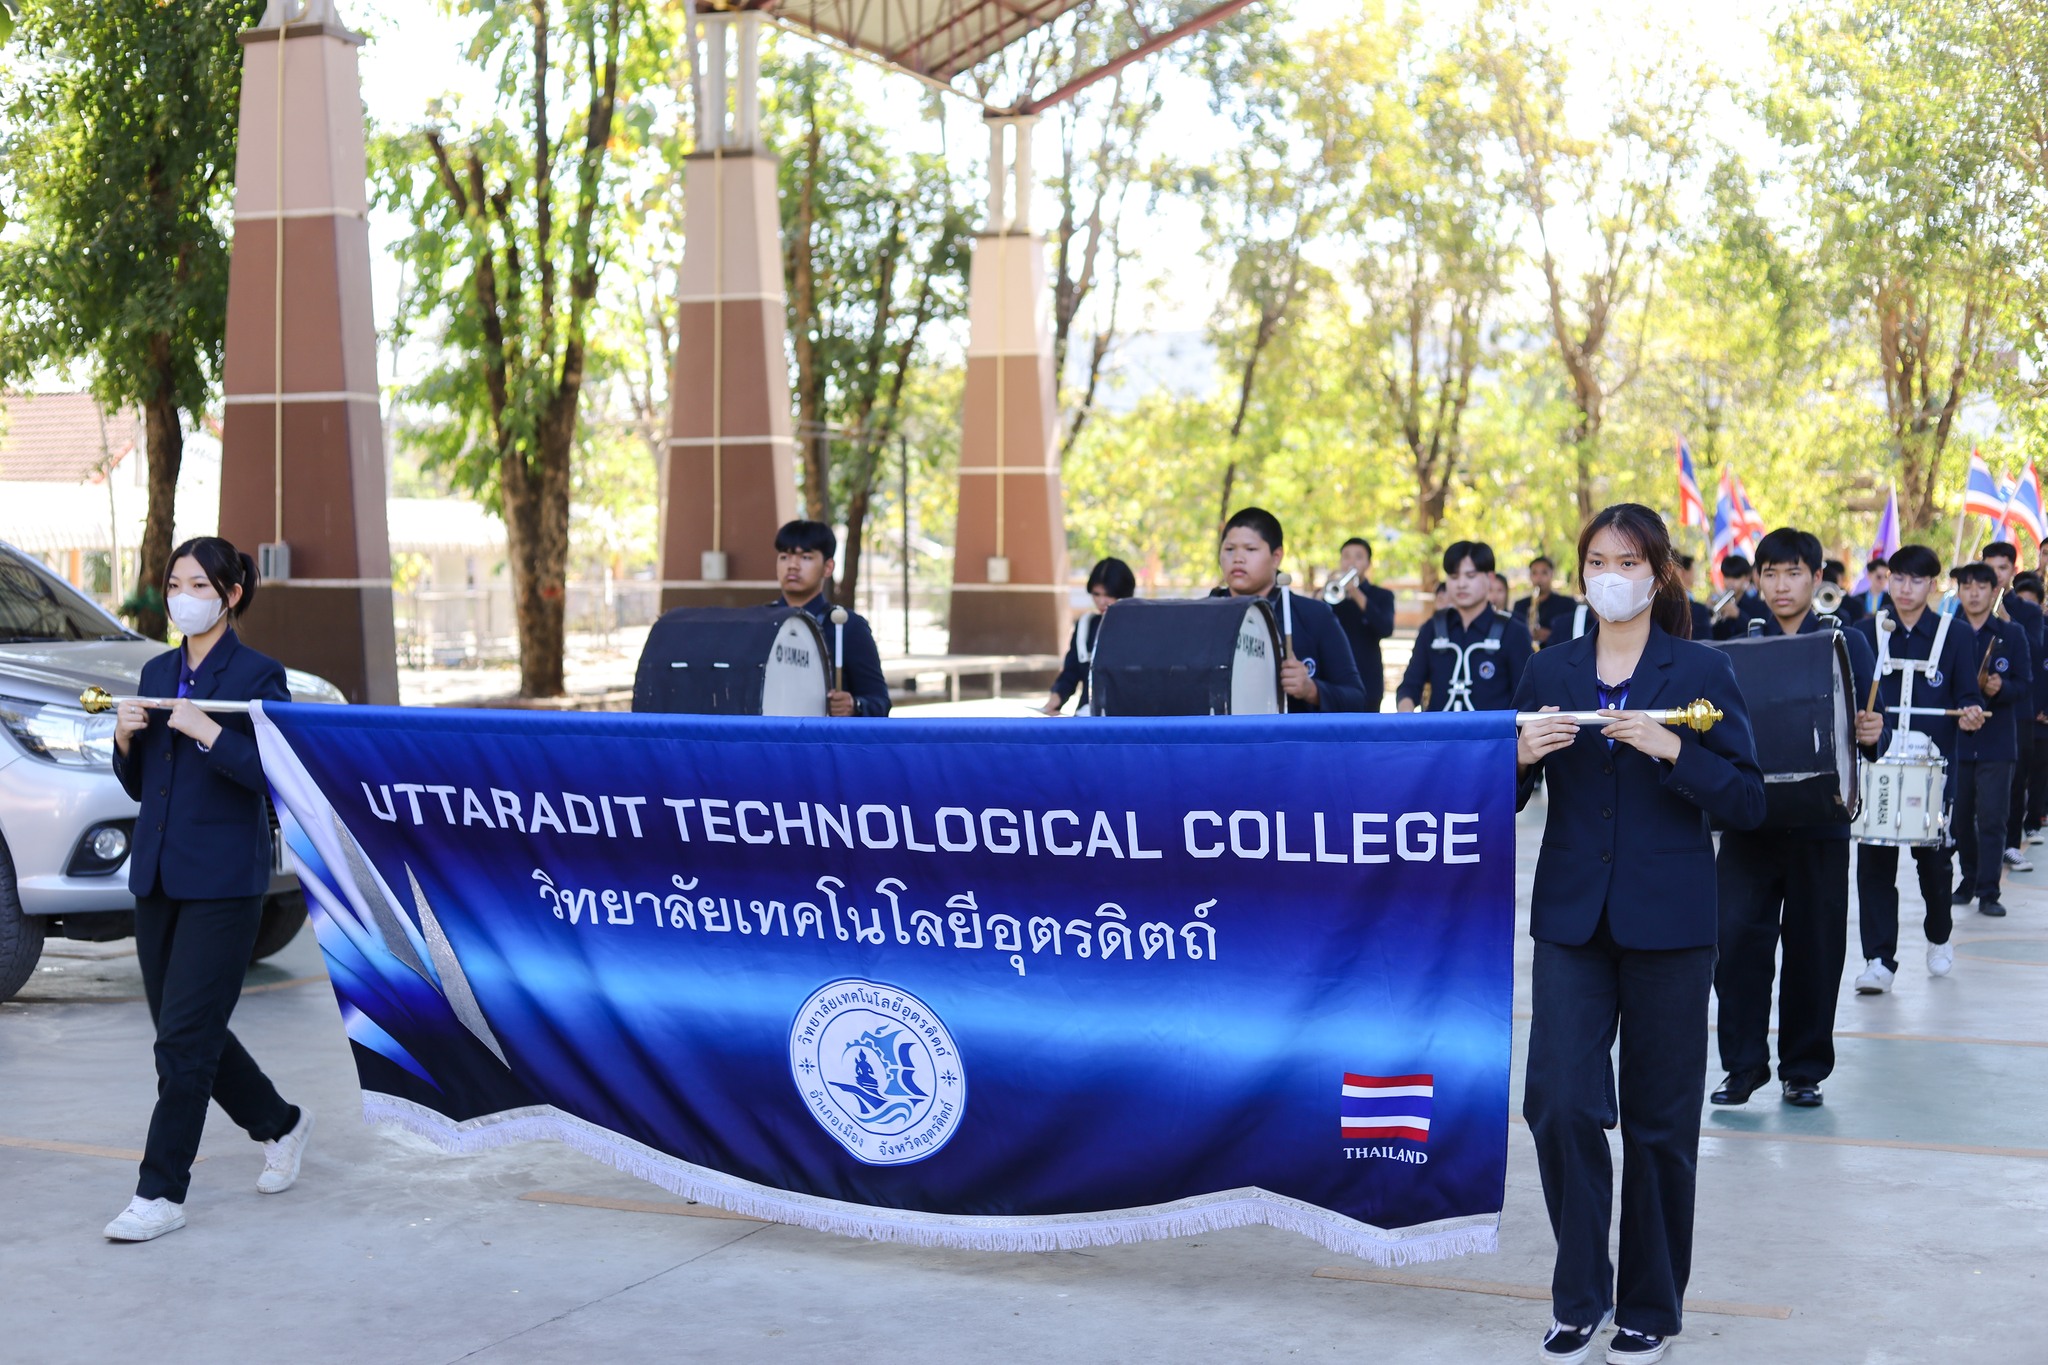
{"points": [[1053, 1232]]}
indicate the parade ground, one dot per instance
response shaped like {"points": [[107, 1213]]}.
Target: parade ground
{"points": [[1899, 1223]]}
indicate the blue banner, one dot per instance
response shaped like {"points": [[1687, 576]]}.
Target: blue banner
{"points": [[1012, 985]]}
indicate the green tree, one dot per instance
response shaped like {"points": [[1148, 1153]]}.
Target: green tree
{"points": [[513, 214], [116, 166]]}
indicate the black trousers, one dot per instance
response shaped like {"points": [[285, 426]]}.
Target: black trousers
{"points": [[193, 956], [1877, 897], [2022, 783], [1773, 885], [1658, 1003], [1982, 792], [2037, 781]]}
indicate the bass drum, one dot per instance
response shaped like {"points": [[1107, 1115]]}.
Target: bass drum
{"points": [[1208, 656], [1802, 707], [734, 661]]}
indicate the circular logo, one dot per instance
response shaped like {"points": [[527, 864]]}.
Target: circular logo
{"points": [[1999, 664], [1934, 677], [1486, 669], [878, 1071], [1310, 665]]}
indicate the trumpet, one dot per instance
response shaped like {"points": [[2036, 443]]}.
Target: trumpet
{"points": [[1720, 604], [1828, 598], [1333, 591]]}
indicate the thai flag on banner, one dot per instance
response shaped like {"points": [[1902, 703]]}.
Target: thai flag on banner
{"points": [[1388, 1106], [1692, 509], [2023, 509], [1886, 543], [1981, 495]]}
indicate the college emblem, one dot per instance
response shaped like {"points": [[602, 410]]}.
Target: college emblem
{"points": [[878, 1071], [1486, 669], [1999, 664], [1934, 677]]}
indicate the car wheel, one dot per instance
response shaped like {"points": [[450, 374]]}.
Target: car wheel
{"points": [[21, 936], [283, 917]]}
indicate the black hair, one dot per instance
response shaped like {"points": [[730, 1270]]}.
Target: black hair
{"points": [[1832, 570], [1685, 562], [1502, 579], [1878, 564], [1644, 530], [1114, 577], [2001, 549], [1915, 561], [1976, 571], [2028, 581], [1259, 522], [1361, 542], [1788, 545], [1734, 566], [1544, 560], [807, 537], [1478, 551], [224, 566]]}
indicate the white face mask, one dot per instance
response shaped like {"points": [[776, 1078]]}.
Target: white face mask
{"points": [[1619, 599], [193, 615]]}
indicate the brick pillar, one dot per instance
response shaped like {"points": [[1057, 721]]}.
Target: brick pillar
{"points": [[729, 479], [299, 289], [1010, 550]]}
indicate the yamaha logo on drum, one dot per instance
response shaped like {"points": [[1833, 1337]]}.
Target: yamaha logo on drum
{"points": [[1252, 645], [878, 1070], [792, 654]]}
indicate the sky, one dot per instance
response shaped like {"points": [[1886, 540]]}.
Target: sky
{"points": [[413, 57]]}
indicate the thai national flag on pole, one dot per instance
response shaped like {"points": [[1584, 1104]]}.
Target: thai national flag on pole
{"points": [[1886, 542], [1692, 510], [1753, 527], [1981, 496], [1387, 1106], [2023, 510], [1727, 524]]}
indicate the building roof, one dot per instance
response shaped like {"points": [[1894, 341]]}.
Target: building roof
{"points": [[59, 438], [936, 39]]}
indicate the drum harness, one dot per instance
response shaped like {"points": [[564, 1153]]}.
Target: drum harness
{"points": [[1459, 696], [1910, 668]]}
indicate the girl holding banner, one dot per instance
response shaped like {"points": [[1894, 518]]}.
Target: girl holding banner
{"points": [[1624, 917]]}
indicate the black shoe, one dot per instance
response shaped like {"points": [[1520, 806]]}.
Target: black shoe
{"points": [[1961, 898], [1564, 1345], [1636, 1348], [1805, 1094], [1991, 907], [1740, 1085]]}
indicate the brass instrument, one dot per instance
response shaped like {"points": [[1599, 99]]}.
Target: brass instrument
{"points": [[1333, 591], [1720, 604], [1828, 598], [1984, 668], [1699, 716]]}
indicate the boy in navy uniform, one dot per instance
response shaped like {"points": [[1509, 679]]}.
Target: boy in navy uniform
{"points": [[2028, 587], [1732, 621], [1789, 883], [1469, 654], [1320, 673], [1986, 757], [2003, 557], [1702, 618], [1543, 607], [1929, 645], [1366, 615], [804, 552]]}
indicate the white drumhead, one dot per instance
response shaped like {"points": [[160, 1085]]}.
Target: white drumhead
{"points": [[1254, 677], [797, 675]]}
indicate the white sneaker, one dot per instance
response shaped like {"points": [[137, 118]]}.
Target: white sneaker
{"points": [[146, 1219], [281, 1157], [1876, 978], [1940, 957], [2017, 860]]}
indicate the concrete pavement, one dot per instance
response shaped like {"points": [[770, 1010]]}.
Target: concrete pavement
{"points": [[1900, 1223]]}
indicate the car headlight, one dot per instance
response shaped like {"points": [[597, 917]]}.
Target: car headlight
{"points": [[59, 734]]}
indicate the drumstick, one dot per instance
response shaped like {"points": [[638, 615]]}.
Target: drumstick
{"points": [[1286, 616], [1884, 631], [839, 648]]}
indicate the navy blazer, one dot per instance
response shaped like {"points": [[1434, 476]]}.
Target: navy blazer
{"points": [[1496, 675], [1365, 627], [203, 833], [1627, 833], [1074, 672]]}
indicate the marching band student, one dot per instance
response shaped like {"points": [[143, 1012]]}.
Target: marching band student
{"points": [[1470, 655], [1987, 756], [1366, 615], [1623, 915], [2028, 587], [1878, 575], [1791, 882], [804, 560], [1549, 606], [1702, 617], [199, 872], [2003, 557], [1319, 673], [1110, 581], [1497, 592], [1734, 618], [1945, 680]]}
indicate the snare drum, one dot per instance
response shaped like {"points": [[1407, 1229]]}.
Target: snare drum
{"points": [[1206, 656], [734, 661], [1905, 795]]}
